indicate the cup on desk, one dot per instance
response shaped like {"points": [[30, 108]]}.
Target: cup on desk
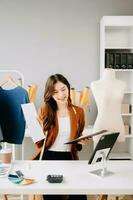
{"points": [[6, 155]]}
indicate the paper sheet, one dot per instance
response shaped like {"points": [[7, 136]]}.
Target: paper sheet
{"points": [[35, 129]]}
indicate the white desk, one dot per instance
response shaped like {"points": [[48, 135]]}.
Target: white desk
{"points": [[77, 179]]}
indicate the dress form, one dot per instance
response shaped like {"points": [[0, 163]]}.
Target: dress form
{"points": [[108, 93]]}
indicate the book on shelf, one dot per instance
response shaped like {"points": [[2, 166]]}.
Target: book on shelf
{"points": [[109, 60], [123, 60], [130, 60], [127, 129], [117, 61], [126, 108]]}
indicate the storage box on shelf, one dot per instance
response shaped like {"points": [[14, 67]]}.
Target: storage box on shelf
{"points": [[116, 51]]}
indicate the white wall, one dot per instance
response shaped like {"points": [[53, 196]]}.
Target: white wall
{"points": [[42, 37]]}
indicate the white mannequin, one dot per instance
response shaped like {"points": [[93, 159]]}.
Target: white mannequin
{"points": [[108, 93]]}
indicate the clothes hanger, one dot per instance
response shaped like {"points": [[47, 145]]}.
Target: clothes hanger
{"points": [[20, 82], [10, 80], [16, 72]]}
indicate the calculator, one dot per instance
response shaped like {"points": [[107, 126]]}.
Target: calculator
{"points": [[54, 178]]}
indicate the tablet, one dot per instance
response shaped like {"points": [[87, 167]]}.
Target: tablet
{"points": [[85, 137], [104, 145]]}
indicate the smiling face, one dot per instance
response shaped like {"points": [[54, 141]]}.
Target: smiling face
{"points": [[57, 92], [60, 93]]}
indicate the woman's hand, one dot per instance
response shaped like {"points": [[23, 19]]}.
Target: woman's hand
{"points": [[84, 141]]}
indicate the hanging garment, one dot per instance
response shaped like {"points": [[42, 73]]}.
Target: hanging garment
{"points": [[1, 135], [11, 116]]}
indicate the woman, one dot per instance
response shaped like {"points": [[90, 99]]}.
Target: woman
{"points": [[63, 122]]}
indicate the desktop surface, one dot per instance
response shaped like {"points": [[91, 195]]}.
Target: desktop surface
{"points": [[77, 178]]}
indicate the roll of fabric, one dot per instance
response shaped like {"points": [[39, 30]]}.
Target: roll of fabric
{"points": [[85, 97], [73, 95], [32, 92]]}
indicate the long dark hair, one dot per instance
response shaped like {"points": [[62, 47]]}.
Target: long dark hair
{"points": [[50, 103]]}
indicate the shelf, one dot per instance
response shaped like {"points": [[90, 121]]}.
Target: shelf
{"points": [[123, 70], [129, 136], [128, 92], [117, 21], [127, 114], [120, 156], [118, 47], [90, 127]]}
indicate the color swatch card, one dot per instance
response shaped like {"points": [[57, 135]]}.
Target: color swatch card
{"points": [[20, 181]]}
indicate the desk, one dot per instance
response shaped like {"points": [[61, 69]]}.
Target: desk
{"points": [[77, 179]]}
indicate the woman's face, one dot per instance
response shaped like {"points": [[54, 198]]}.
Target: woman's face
{"points": [[60, 93]]}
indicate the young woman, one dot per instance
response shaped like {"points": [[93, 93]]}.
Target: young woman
{"points": [[63, 122]]}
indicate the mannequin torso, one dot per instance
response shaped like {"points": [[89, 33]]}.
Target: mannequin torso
{"points": [[108, 93]]}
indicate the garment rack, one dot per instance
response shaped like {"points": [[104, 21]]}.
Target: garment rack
{"points": [[20, 76]]}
